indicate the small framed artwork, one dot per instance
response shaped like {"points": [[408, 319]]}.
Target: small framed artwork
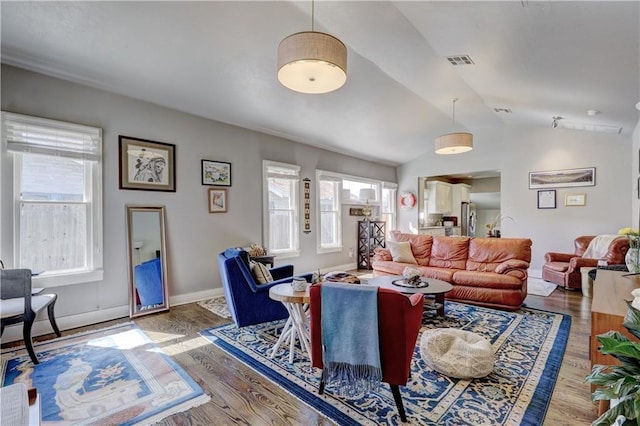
{"points": [[217, 200], [147, 165], [575, 199], [356, 211], [216, 173], [547, 199]]}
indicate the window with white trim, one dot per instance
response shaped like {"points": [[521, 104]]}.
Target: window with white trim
{"points": [[329, 212], [281, 210], [388, 206], [358, 191], [57, 198]]}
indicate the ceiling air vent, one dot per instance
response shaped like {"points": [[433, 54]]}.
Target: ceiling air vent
{"points": [[460, 60], [601, 128], [504, 110]]}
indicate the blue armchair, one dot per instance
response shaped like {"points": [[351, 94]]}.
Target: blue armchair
{"points": [[249, 302]]}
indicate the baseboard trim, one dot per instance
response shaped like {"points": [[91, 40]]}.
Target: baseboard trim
{"points": [[41, 326]]}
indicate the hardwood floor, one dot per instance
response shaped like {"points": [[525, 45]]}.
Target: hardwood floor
{"points": [[241, 396]]}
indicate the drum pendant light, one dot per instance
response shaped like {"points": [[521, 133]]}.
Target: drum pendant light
{"points": [[312, 62], [456, 142]]}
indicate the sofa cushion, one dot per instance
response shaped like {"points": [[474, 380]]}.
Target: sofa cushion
{"points": [[449, 252], [260, 273], [420, 245], [485, 254], [557, 266], [401, 251], [486, 280], [443, 274]]}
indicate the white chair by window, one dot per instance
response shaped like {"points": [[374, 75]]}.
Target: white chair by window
{"points": [[17, 304]]}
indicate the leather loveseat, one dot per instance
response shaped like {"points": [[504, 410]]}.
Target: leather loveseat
{"points": [[563, 269], [490, 272]]}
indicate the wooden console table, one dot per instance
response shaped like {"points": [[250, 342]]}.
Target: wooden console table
{"points": [[608, 309]]}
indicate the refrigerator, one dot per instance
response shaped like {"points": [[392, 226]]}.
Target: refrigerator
{"points": [[468, 219]]}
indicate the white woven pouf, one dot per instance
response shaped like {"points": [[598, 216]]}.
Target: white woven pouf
{"points": [[457, 353]]}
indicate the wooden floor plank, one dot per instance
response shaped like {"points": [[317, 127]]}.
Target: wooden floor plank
{"points": [[241, 396]]}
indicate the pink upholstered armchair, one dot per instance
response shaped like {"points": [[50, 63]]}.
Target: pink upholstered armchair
{"points": [[399, 320], [563, 269]]}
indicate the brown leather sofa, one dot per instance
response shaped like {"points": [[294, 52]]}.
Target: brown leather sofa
{"points": [[490, 272], [563, 269]]}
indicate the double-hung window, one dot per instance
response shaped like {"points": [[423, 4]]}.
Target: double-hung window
{"points": [[281, 211], [329, 209], [388, 206], [57, 197]]}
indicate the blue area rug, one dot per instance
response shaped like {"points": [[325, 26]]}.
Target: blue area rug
{"points": [[529, 347], [115, 375]]}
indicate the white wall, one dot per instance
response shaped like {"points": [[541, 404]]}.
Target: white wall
{"points": [[194, 236], [516, 151]]}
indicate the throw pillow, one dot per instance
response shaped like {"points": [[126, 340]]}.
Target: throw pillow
{"points": [[401, 251], [261, 273]]}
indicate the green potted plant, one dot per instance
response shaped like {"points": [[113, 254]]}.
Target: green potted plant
{"points": [[620, 383]]}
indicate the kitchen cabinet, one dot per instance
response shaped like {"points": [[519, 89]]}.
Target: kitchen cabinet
{"points": [[439, 197], [459, 195]]}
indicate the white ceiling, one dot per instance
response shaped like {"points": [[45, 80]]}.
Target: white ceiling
{"points": [[218, 60]]}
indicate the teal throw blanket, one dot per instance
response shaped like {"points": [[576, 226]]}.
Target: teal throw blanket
{"points": [[351, 350]]}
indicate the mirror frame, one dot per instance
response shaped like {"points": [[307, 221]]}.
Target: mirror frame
{"points": [[133, 310]]}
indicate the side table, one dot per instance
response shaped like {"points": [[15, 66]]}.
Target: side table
{"points": [[297, 325], [587, 282], [608, 309]]}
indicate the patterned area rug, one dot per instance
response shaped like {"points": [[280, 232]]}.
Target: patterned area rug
{"points": [[111, 376], [529, 347], [217, 305]]}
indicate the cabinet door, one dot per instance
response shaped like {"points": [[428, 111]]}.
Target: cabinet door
{"points": [[439, 197]]}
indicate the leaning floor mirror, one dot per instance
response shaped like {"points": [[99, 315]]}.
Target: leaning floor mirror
{"points": [[147, 260]]}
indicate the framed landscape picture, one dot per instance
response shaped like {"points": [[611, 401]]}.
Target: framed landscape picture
{"points": [[563, 178], [217, 200], [216, 173], [147, 165]]}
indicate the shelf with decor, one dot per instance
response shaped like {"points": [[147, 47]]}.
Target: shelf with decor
{"points": [[371, 235]]}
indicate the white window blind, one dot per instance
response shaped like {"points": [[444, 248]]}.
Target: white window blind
{"points": [[328, 191], [36, 135], [57, 188], [281, 208]]}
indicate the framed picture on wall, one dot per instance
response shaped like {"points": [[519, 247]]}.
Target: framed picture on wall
{"points": [[575, 200], [563, 178], [216, 173], [147, 165], [217, 200], [547, 199]]}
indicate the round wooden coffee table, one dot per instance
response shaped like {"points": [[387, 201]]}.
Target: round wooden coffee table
{"points": [[297, 325], [435, 290]]}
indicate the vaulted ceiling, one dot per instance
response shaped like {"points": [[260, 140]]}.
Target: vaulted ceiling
{"points": [[537, 59]]}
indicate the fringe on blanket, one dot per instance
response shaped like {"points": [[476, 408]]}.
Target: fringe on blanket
{"points": [[351, 380]]}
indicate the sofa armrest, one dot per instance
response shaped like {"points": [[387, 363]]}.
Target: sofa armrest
{"points": [[558, 257], [578, 262], [280, 272], [382, 254], [511, 264]]}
